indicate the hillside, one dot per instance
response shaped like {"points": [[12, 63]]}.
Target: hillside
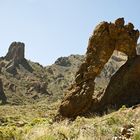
{"points": [[49, 83]]}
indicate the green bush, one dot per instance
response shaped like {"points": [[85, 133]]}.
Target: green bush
{"points": [[48, 137], [137, 136]]}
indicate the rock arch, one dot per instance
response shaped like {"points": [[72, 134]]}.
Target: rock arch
{"points": [[106, 38]]}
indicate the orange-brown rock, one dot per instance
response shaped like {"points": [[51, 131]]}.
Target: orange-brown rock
{"points": [[106, 38], [123, 88]]}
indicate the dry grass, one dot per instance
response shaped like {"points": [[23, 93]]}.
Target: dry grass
{"points": [[34, 122]]}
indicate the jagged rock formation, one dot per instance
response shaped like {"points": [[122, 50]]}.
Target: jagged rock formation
{"points": [[15, 58], [2, 94], [123, 88], [18, 74], [16, 52], [63, 61], [39, 87], [106, 38]]}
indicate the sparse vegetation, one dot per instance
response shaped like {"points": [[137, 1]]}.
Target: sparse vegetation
{"points": [[35, 122], [137, 135]]}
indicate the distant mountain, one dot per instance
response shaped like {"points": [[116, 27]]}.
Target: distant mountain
{"points": [[24, 81]]}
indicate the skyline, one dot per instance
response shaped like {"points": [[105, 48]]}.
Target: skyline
{"points": [[51, 28]]}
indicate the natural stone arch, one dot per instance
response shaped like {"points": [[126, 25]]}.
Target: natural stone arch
{"points": [[106, 38], [117, 60]]}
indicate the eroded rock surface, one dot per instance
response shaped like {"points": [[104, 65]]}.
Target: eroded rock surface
{"points": [[2, 94], [16, 52], [15, 58], [106, 38], [123, 88]]}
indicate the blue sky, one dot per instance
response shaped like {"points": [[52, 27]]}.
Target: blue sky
{"points": [[55, 28]]}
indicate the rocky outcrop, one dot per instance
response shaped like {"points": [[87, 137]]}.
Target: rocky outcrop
{"points": [[126, 132], [11, 67], [16, 52], [63, 61], [3, 98], [106, 38], [123, 88], [15, 58], [39, 87]]}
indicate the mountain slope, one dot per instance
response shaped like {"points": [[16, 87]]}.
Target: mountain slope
{"points": [[50, 83]]}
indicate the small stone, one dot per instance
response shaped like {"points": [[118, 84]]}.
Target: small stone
{"points": [[123, 131], [20, 123]]}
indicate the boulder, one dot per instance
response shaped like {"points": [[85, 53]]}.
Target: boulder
{"points": [[106, 38]]}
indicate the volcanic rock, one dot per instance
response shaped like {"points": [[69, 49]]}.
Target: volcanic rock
{"points": [[138, 49], [3, 98], [16, 52], [15, 58], [106, 38], [123, 88], [63, 61], [39, 87], [11, 67]]}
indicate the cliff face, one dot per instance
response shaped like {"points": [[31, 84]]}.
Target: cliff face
{"points": [[106, 38], [15, 58], [16, 52], [124, 86]]}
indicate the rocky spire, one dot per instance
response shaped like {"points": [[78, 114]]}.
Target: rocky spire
{"points": [[16, 58], [16, 52]]}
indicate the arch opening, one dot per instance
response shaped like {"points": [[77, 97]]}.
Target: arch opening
{"points": [[110, 68]]}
